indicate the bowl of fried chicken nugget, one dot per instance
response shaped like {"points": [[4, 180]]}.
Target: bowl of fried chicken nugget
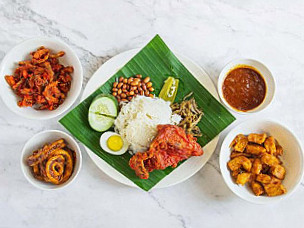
{"points": [[261, 161]]}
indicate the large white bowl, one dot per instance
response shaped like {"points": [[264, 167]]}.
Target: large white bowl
{"points": [[292, 158], [21, 52], [36, 142], [263, 70]]}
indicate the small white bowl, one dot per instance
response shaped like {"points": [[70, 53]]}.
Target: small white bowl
{"points": [[36, 142], [292, 158], [21, 52], [262, 69]]}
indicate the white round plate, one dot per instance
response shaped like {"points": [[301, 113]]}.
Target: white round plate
{"points": [[21, 52], [189, 167], [292, 158]]}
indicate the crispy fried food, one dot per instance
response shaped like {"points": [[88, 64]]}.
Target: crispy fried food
{"points": [[270, 160], [190, 113], [43, 153], [257, 138], [240, 162], [236, 154], [257, 188], [239, 143], [59, 166], [279, 151], [257, 166], [274, 189], [243, 178], [263, 178], [53, 163], [270, 145], [42, 82], [169, 147], [278, 171], [255, 149]]}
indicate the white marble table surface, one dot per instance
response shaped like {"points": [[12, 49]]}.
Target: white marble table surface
{"points": [[212, 33]]}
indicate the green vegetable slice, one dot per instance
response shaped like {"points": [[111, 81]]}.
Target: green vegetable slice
{"points": [[169, 90], [102, 112]]}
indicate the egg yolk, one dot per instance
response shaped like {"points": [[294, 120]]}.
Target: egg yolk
{"points": [[115, 143]]}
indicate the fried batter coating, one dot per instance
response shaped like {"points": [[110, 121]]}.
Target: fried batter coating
{"points": [[270, 160], [257, 138], [257, 188], [263, 178], [257, 166], [255, 149], [239, 143], [238, 162], [243, 178], [236, 154], [279, 150], [274, 189], [270, 145], [278, 171]]}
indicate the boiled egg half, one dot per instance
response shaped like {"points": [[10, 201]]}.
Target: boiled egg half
{"points": [[113, 143]]}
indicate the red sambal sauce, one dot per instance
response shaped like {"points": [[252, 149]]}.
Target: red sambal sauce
{"points": [[244, 88]]}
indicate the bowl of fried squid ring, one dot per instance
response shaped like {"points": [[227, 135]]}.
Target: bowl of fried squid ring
{"points": [[51, 160]]}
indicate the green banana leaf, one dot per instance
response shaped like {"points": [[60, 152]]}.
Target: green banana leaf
{"points": [[157, 61]]}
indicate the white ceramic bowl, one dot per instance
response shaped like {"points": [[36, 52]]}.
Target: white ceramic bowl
{"points": [[21, 52], [36, 142], [263, 70], [292, 158]]}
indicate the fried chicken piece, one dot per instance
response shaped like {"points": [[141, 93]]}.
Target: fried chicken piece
{"points": [[257, 138], [257, 166], [236, 154], [263, 178], [239, 143], [279, 151], [255, 149], [243, 178], [257, 188], [278, 171], [238, 162], [270, 160], [274, 189], [168, 148], [270, 145]]}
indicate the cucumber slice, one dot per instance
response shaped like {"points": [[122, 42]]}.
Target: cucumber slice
{"points": [[104, 105], [102, 112], [100, 123]]}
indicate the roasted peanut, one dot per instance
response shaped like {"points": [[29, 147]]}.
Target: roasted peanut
{"points": [[124, 91], [147, 79], [121, 79], [131, 93], [119, 91], [141, 92], [125, 100], [151, 89], [124, 86], [114, 89], [119, 85], [114, 94], [138, 76], [151, 95], [149, 84], [136, 91], [144, 87], [130, 80], [147, 93], [115, 84], [125, 80], [134, 83], [123, 95]]}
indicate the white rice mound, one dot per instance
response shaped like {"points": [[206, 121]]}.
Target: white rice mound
{"points": [[137, 121]]}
